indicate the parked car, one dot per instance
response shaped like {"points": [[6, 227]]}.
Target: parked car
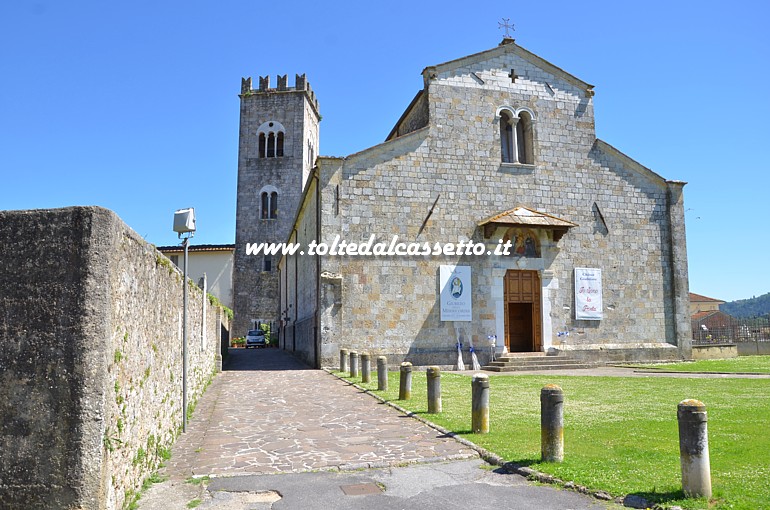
{"points": [[255, 338]]}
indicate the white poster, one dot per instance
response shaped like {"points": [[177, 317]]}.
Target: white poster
{"points": [[455, 285], [588, 294]]}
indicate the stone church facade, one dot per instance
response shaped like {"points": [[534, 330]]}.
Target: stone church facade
{"points": [[498, 147]]}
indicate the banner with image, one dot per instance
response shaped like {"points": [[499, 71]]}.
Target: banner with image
{"points": [[455, 295], [588, 294]]}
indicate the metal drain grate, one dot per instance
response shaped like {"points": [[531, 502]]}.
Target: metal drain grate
{"points": [[361, 489]]}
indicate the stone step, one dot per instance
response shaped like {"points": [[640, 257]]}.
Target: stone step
{"points": [[549, 359], [502, 363], [538, 354], [525, 368], [515, 362]]}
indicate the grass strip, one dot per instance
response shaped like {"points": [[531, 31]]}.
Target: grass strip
{"points": [[621, 433], [739, 365]]}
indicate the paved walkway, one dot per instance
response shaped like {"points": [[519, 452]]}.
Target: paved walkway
{"points": [[273, 434], [270, 414]]}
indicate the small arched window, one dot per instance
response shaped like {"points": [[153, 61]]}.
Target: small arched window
{"points": [[262, 145], [273, 205], [310, 154], [517, 136], [271, 136], [265, 210], [506, 136], [268, 198], [524, 138]]}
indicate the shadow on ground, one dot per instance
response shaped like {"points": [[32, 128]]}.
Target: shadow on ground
{"points": [[264, 359], [658, 497]]}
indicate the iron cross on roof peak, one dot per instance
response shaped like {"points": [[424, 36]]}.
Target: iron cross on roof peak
{"points": [[508, 27]]}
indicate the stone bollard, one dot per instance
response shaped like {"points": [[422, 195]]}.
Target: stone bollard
{"points": [[405, 382], [694, 448], [480, 404], [382, 373], [551, 423], [353, 364], [434, 390], [366, 368], [343, 360]]}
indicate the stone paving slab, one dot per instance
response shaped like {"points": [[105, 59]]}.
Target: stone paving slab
{"points": [[272, 415]]}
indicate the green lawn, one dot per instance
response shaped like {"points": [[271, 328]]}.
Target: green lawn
{"points": [[620, 433], [741, 364]]}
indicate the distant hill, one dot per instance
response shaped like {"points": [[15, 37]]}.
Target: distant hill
{"points": [[756, 306]]}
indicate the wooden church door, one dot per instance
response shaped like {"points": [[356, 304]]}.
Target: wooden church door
{"points": [[522, 311]]}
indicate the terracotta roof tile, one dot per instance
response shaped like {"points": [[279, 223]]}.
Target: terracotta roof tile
{"points": [[697, 298], [197, 248]]}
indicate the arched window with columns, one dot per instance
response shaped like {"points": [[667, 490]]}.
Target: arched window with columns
{"points": [[268, 197], [271, 136], [517, 144]]}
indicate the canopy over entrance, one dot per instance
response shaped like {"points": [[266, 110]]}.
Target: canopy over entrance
{"points": [[526, 218]]}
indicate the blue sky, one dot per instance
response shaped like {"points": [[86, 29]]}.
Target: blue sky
{"points": [[133, 105]]}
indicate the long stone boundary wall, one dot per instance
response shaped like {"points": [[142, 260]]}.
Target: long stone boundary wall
{"points": [[91, 358], [753, 348]]}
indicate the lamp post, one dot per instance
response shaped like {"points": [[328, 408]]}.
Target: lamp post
{"points": [[184, 225]]}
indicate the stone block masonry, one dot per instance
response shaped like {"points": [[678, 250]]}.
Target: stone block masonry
{"points": [[293, 111], [90, 358], [441, 174]]}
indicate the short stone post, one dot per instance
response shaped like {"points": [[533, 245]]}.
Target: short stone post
{"points": [[405, 382], [434, 390], [343, 360], [366, 368], [382, 373], [353, 364], [480, 404], [694, 448], [551, 423]]}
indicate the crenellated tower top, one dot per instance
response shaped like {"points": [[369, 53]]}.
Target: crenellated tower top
{"points": [[300, 85]]}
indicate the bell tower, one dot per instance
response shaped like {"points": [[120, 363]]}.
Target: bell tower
{"points": [[278, 144]]}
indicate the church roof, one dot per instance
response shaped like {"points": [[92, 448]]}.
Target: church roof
{"points": [[608, 149], [509, 46], [525, 217]]}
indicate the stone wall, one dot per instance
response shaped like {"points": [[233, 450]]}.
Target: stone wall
{"points": [[299, 302], [415, 117], [716, 351], [753, 348], [90, 351]]}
